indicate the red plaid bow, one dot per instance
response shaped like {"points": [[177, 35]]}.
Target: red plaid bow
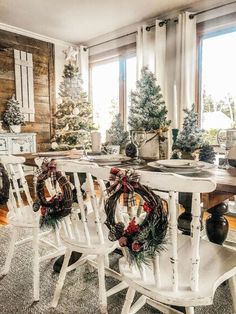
{"points": [[48, 170], [126, 180]]}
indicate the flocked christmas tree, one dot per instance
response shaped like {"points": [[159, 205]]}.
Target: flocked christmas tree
{"points": [[148, 111], [191, 136], [116, 133], [13, 114], [74, 113]]}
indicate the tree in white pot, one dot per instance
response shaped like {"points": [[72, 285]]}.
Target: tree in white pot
{"points": [[148, 112], [13, 117]]}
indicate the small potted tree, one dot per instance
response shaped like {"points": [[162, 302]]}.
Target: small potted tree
{"points": [[148, 113], [117, 138], [190, 139], [13, 117]]}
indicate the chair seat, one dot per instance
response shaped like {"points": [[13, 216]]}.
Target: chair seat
{"points": [[79, 243], [217, 264], [25, 218]]}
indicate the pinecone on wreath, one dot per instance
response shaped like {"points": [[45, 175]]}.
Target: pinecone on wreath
{"points": [[207, 154]]}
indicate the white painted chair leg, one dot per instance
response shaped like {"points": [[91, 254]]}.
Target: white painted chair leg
{"points": [[128, 300], [106, 260], [189, 310], [232, 286], [10, 252], [61, 279], [102, 284], [36, 263]]}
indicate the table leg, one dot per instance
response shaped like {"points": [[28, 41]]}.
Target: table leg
{"points": [[184, 220], [217, 225]]}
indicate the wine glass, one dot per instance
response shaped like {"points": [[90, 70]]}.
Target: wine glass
{"points": [[84, 141], [225, 143], [139, 138]]}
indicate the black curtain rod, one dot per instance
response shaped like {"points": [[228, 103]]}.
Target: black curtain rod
{"points": [[107, 41], [191, 16], [161, 24]]}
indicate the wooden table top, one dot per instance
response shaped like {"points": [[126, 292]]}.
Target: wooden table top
{"points": [[225, 179]]}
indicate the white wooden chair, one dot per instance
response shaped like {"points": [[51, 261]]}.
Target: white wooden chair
{"points": [[21, 216], [189, 271], [86, 233]]}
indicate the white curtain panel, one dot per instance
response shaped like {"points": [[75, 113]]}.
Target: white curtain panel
{"points": [[185, 64], [170, 73], [84, 67], [157, 49], [160, 55], [170, 52], [145, 49]]}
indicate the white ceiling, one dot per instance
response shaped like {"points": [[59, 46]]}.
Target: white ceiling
{"points": [[78, 21]]}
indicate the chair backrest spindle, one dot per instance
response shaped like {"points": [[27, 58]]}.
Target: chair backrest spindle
{"points": [[20, 201], [173, 234], [87, 224], [171, 184], [195, 232]]}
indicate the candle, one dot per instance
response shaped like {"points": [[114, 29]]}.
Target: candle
{"points": [[175, 109], [96, 141]]}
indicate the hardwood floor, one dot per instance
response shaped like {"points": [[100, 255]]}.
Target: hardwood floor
{"points": [[3, 215]]}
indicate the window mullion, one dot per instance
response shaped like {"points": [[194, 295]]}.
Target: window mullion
{"points": [[122, 75]]}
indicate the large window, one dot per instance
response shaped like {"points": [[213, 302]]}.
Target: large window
{"points": [[111, 82], [217, 81], [105, 93]]}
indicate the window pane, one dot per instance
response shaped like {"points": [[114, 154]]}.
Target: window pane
{"points": [[105, 94], [218, 92], [130, 80]]}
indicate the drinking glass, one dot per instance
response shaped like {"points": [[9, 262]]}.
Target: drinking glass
{"points": [[139, 138], [226, 143], [226, 146], [84, 142]]}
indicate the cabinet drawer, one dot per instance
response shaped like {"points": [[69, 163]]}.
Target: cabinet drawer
{"points": [[23, 145], [3, 144]]}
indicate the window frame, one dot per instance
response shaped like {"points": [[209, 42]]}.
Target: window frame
{"points": [[206, 29], [121, 54]]}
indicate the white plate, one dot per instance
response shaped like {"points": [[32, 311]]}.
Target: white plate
{"points": [[109, 158], [59, 153], [178, 163], [203, 166]]}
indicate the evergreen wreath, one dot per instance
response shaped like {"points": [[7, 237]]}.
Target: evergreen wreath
{"points": [[4, 191], [59, 206], [143, 240]]}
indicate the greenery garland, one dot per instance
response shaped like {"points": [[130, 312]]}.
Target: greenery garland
{"points": [[4, 191], [143, 240], [59, 205]]}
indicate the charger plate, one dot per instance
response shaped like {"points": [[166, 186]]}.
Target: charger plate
{"points": [[201, 166], [179, 163]]}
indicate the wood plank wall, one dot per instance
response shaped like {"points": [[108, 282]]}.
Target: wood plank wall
{"points": [[44, 82]]}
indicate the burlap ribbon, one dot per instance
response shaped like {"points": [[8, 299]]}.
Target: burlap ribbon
{"points": [[125, 180]]}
